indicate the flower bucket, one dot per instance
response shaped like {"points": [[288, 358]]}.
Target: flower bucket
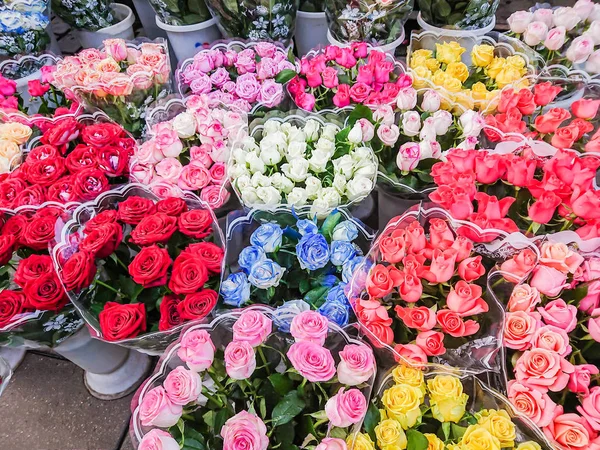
{"points": [[123, 29], [187, 39], [311, 31], [387, 48]]}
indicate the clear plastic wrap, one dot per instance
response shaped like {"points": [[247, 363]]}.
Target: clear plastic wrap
{"points": [[458, 15], [5, 374]]}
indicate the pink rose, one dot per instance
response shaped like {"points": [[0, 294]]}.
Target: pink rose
{"points": [[149, 153], [157, 409], [252, 327], [548, 280], [330, 78], [452, 323], [543, 370], [559, 314], [194, 176], [265, 49], [342, 96], [535, 404], [382, 71], [306, 100], [158, 440], [357, 364], [267, 68], [332, 444], [240, 360], [218, 173], [197, 350], [312, 361], [359, 92], [553, 339], [410, 353], [211, 133], [346, 408], [388, 134], [555, 38], [569, 431], [214, 196], [431, 342], [182, 386], [420, 318], [220, 77], [116, 48], [245, 431], [245, 65], [384, 114], [407, 99], [142, 173], [519, 328], [579, 382], [580, 49], [465, 299], [201, 84], [271, 93], [201, 155], [560, 257], [169, 170], [310, 326], [247, 87], [168, 142], [523, 298], [204, 62], [367, 128], [594, 325]]}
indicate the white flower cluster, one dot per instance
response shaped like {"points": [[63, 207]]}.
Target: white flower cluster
{"points": [[295, 166]]}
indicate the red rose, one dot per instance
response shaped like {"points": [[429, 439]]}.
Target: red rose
{"points": [[172, 206], [169, 313], [101, 134], [63, 132], [9, 189], [30, 269], [39, 232], [122, 321], [63, 191], [189, 274], [134, 209], [78, 272], [89, 183], [198, 305], [196, 223], [103, 241], [157, 228], [46, 293], [42, 152], [210, 253], [49, 211], [127, 144], [32, 196], [114, 161], [16, 226], [11, 304], [45, 172], [149, 267], [82, 157], [108, 216], [8, 243]]}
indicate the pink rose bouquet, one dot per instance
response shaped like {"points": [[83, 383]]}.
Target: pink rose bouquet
{"points": [[238, 75], [338, 77], [239, 383]]}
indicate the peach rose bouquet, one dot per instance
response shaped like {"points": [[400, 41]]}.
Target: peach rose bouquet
{"points": [[240, 383]]}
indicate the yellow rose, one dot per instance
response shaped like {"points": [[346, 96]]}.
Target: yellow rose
{"points": [[444, 386], [479, 91], [450, 409], [422, 53], [439, 77], [529, 445], [507, 76], [464, 99], [408, 375], [500, 425], [421, 75], [361, 442], [417, 61], [448, 52], [516, 62], [390, 435], [16, 132], [478, 438], [482, 55], [494, 68], [452, 84], [435, 443], [403, 403], [458, 70], [432, 64]]}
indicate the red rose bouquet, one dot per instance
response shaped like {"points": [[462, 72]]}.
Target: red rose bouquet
{"points": [[74, 160], [137, 267], [34, 307]]}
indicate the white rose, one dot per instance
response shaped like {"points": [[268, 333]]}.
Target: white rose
{"points": [[407, 98], [442, 121], [470, 143], [270, 155], [243, 182], [580, 49], [184, 125], [595, 14], [238, 170], [535, 33], [384, 114], [4, 165], [268, 195], [339, 183], [593, 63], [260, 180], [358, 188], [296, 150], [295, 134], [555, 38], [331, 196], [431, 101], [566, 17], [411, 123], [344, 165], [249, 144], [297, 197], [319, 208], [271, 126], [583, 8], [313, 186], [296, 170], [282, 183], [318, 161], [365, 168], [239, 155], [255, 163], [329, 131], [355, 135], [594, 32], [361, 154], [519, 20], [428, 131], [430, 149], [249, 196], [325, 145], [276, 139], [471, 122], [544, 15], [311, 129]]}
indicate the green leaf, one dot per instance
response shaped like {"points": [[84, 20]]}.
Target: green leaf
{"points": [[360, 112], [285, 434], [330, 223], [417, 440], [289, 407], [281, 383], [285, 75], [304, 285], [446, 430], [220, 419], [458, 431]]}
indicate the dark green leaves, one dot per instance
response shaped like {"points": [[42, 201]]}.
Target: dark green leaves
{"points": [[360, 112], [281, 383], [371, 420], [289, 407], [285, 75], [329, 224], [416, 440]]}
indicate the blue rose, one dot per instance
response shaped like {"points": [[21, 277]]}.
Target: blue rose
{"points": [[306, 226], [268, 236], [35, 21], [345, 231], [250, 256], [236, 289], [341, 251], [336, 308], [313, 251], [12, 21], [266, 274], [350, 268], [284, 315]]}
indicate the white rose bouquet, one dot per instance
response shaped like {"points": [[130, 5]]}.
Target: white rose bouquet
{"points": [[301, 162]]}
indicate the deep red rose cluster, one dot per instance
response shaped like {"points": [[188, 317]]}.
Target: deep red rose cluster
{"points": [[145, 227], [74, 163], [40, 287]]}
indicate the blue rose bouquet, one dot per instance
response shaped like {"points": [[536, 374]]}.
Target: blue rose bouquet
{"points": [[23, 28], [306, 259]]}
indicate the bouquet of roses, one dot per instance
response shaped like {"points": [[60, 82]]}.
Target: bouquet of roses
{"points": [[552, 331], [33, 305], [191, 149], [338, 77], [565, 35], [12, 138], [23, 28], [443, 409], [530, 112], [121, 79], [302, 161], [290, 258], [74, 160], [90, 15], [181, 13], [241, 384], [238, 75], [137, 267]]}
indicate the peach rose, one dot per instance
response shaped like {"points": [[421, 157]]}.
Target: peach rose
{"points": [[410, 353], [536, 405], [569, 431], [431, 342], [560, 257], [519, 266], [420, 318], [544, 370], [552, 338], [548, 280], [590, 408], [523, 298], [559, 314], [519, 329], [465, 299]]}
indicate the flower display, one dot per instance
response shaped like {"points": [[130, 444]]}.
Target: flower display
{"points": [[338, 77], [120, 79], [23, 29], [141, 265], [238, 75], [191, 150], [298, 162], [12, 138], [316, 378], [90, 15]]}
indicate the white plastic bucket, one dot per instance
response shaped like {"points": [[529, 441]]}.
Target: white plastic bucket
{"points": [[123, 29], [187, 40], [311, 31], [387, 48], [147, 16]]}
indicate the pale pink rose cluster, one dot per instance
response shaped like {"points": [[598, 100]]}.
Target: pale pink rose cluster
{"points": [[240, 79], [245, 431]]}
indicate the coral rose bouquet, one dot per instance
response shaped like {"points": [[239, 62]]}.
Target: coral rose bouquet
{"points": [[121, 79], [240, 383], [243, 76], [138, 267], [34, 308], [342, 76]]}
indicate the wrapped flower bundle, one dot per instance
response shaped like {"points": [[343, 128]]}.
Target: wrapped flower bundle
{"points": [[181, 13], [13, 136], [565, 35], [301, 161], [33, 304], [458, 15], [23, 28], [242, 76], [140, 267], [74, 160], [338, 77], [90, 15], [121, 79], [241, 384], [191, 150]]}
